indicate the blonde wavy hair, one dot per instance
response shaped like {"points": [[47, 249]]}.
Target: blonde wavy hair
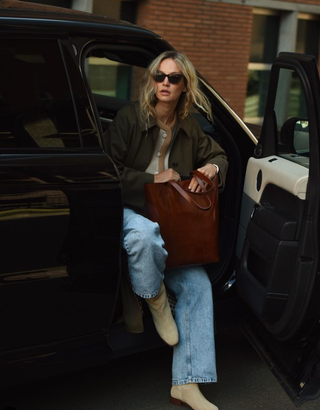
{"points": [[192, 96]]}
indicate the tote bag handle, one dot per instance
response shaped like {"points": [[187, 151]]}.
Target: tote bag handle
{"points": [[187, 195]]}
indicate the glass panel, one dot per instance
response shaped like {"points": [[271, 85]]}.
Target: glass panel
{"points": [[112, 79], [292, 118], [301, 137], [290, 99], [108, 78], [264, 45], [308, 37], [36, 108], [264, 38], [257, 91], [114, 83]]}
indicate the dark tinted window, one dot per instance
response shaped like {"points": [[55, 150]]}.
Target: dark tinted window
{"points": [[264, 38], [36, 108], [291, 113]]}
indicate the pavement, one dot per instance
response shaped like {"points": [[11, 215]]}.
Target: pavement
{"points": [[142, 382]]}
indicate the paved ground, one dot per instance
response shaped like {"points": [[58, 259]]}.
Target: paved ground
{"points": [[142, 382]]}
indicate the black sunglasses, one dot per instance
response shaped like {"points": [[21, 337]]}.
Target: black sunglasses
{"points": [[173, 78]]}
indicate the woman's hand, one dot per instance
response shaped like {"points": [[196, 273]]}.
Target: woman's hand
{"points": [[209, 170], [168, 175]]}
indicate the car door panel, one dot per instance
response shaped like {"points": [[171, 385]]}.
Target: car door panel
{"points": [[60, 200], [281, 221], [271, 217], [278, 234], [278, 171], [60, 218], [272, 170]]}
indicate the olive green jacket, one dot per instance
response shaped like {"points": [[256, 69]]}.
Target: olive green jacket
{"points": [[130, 143]]}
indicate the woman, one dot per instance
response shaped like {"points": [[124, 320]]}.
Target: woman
{"points": [[157, 140]]}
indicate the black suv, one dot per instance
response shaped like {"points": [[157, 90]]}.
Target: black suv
{"points": [[63, 77]]}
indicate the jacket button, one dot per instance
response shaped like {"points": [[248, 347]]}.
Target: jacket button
{"points": [[175, 164]]}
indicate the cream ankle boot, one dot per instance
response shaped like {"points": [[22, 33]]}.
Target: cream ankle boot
{"points": [[162, 317], [191, 395]]}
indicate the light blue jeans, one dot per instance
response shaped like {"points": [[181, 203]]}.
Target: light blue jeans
{"points": [[194, 356]]}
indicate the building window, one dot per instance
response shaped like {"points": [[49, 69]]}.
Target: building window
{"points": [[308, 35], [264, 46]]}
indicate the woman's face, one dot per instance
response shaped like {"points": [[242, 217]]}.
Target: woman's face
{"points": [[165, 91]]}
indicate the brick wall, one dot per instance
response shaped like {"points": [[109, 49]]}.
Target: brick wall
{"points": [[215, 36]]}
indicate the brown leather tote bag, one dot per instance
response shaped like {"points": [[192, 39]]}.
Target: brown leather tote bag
{"points": [[188, 220]]}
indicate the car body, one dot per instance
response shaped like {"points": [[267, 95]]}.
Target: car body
{"points": [[64, 76]]}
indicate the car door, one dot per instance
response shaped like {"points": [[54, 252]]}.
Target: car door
{"points": [[60, 210], [281, 175], [278, 241]]}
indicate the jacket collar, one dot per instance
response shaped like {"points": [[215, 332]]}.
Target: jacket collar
{"points": [[183, 124]]}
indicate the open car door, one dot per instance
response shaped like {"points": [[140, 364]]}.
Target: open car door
{"points": [[278, 245]]}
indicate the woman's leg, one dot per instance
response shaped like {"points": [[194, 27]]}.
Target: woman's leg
{"points": [[146, 262], [194, 357], [146, 255]]}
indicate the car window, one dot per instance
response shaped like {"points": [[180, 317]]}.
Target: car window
{"points": [[36, 108], [114, 76], [292, 118], [111, 78]]}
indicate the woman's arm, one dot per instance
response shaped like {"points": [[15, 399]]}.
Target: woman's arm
{"points": [[210, 160]]}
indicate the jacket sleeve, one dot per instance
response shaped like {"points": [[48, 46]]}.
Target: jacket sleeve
{"points": [[118, 144], [210, 152]]}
